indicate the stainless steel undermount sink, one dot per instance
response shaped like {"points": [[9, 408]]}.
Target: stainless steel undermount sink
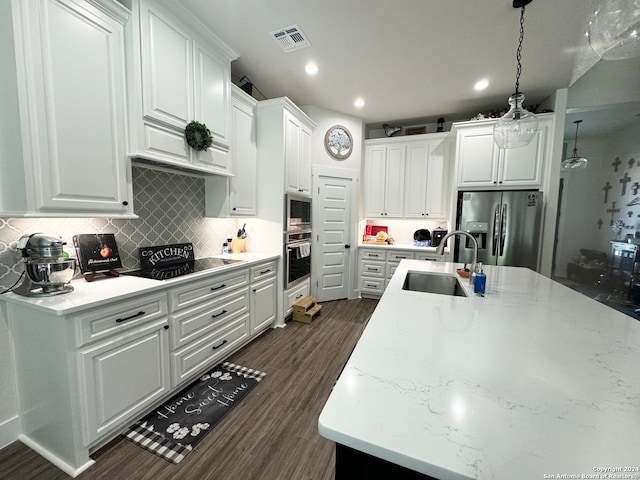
{"points": [[439, 283]]}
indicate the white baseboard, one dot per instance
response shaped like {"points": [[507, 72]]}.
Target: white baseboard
{"points": [[57, 461], [9, 431]]}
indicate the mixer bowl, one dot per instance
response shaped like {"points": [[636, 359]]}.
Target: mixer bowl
{"points": [[51, 275]]}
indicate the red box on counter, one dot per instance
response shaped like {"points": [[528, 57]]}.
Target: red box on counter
{"points": [[372, 230]]}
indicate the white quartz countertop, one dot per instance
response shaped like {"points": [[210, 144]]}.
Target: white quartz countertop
{"points": [[532, 379], [105, 289]]}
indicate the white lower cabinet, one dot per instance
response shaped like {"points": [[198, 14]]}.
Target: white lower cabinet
{"points": [[295, 293], [113, 389], [263, 293], [377, 266], [84, 377]]}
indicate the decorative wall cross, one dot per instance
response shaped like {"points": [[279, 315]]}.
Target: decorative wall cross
{"points": [[606, 189], [615, 164], [624, 180], [600, 222], [631, 162], [629, 214], [613, 210], [635, 186]]}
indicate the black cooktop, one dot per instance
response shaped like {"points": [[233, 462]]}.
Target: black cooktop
{"points": [[180, 269]]}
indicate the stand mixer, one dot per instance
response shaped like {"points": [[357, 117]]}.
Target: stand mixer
{"points": [[47, 270]]}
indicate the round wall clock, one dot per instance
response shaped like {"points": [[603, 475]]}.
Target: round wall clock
{"points": [[338, 142]]}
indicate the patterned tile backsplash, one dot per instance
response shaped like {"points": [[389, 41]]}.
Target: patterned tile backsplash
{"points": [[170, 207]]}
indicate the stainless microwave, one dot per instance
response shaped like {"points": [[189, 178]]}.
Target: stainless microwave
{"points": [[298, 213]]}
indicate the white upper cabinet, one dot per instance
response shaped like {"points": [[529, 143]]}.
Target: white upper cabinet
{"points": [[481, 163], [64, 114], [237, 195], [284, 151], [178, 76], [297, 155], [407, 177], [426, 178], [384, 180]]}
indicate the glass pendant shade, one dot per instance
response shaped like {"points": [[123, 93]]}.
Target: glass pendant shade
{"points": [[575, 161], [517, 127], [614, 29]]}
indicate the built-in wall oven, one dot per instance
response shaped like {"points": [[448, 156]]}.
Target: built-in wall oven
{"points": [[298, 213], [297, 257]]}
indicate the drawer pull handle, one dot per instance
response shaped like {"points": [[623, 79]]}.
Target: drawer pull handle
{"points": [[372, 269], [130, 317], [218, 314], [213, 289], [398, 256], [218, 346], [299, 296], [265, 271]]}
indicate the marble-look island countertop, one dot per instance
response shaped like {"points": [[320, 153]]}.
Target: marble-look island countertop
{"points": [[532, 379]]}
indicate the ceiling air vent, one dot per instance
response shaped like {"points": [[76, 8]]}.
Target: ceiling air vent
{"points": [[290, 38]]}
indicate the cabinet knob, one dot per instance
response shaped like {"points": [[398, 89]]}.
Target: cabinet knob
{"points": [[234, 209], [166, 327], [347, 246], [125, 203]]}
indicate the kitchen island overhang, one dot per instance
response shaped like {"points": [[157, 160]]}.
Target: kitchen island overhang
{"points": [[533, 379]]}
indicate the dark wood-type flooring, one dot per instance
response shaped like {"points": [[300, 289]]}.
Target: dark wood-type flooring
{"points": [[271, 435]]}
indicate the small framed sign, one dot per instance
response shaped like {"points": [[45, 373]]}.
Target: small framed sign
{"points": [[165, 255], [97, 252]]}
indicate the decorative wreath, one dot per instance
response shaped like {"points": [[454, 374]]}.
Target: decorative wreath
{"points": [[198, 135]]}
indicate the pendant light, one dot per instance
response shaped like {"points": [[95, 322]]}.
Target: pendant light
{"points": [[518, 126], [614, 29], [574, 162]]}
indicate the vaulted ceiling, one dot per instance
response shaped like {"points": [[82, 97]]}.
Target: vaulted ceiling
{"points": [[407, 59]]}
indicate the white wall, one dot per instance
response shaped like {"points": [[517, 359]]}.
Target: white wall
{"points": [[325, 120]]}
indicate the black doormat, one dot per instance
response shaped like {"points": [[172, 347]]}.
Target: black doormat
{"points": [[175, 427]]}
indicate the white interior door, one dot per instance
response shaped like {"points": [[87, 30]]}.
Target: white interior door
{"points": [[333, 232]]}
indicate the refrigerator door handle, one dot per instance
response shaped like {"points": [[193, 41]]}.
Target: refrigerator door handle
{"points": [[503, 228], [496, 230]]}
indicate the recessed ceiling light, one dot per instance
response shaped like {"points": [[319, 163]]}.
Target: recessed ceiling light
{"points": [[359, 103], [481, 84], [311, 68]]}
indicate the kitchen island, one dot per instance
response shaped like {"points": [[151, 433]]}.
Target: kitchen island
{"points": [[531, 381]]}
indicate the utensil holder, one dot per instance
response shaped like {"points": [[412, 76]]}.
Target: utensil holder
{"points": [[238, 245]]}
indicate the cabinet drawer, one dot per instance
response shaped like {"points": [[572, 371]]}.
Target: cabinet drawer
{"points": [[397, 256], [263, 270], [371, 269], [202, 290], [121, 317], [372, 254], [294, 294], [429, 256], [372, 285], [193, 323], [189, 361]]}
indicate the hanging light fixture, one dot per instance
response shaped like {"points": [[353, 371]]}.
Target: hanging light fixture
{"points": [[574, 162], [518, 126], [614, 29]]}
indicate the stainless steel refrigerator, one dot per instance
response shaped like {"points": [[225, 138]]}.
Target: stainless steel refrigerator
{"points": [[506, 225]]}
